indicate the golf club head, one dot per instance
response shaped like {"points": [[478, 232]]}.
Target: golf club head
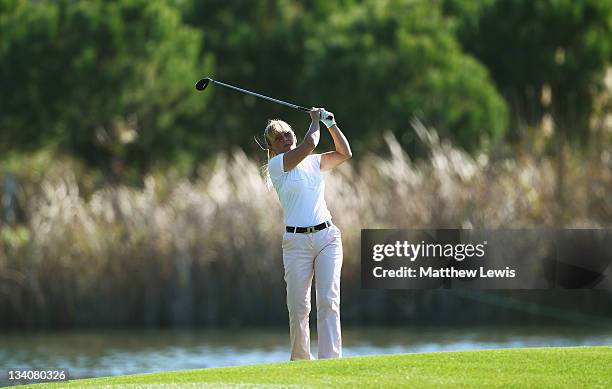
{"points": [[202, 84]]}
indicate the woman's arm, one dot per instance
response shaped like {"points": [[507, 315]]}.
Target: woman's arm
{"points": [[293, 157], [331, 159]]}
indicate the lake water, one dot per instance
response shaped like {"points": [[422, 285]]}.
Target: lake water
{"points": [[106, 353]]}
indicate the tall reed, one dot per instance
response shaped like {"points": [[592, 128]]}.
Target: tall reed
{"points": [[207, 251]]}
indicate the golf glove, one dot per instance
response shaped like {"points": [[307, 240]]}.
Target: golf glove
{"points": [[328, 122]]}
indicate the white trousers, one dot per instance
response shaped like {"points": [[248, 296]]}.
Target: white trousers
{"points": [[304, 255]]}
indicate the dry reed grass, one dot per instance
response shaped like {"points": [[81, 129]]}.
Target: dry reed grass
{"points": [[207, 251]]}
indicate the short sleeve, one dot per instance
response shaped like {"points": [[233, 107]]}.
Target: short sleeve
{"points": [[275, 166]]}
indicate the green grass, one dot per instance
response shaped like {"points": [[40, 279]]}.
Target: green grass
{"points": [[575, 367]]}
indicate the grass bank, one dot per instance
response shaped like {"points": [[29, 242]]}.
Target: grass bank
{"points": [[505, 368]]}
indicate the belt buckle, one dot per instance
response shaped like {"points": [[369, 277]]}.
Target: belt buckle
{"points": [[310, 230]]}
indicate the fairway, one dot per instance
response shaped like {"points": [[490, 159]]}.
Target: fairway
{"points": [[505, 368]]}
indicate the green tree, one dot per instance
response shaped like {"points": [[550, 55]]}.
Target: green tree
{"points": [[110, 82], [563, 46], [375, 63], [379, 63], [547, 57], [257, 45]]}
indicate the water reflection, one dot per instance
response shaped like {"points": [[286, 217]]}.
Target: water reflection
{"points": [[105, 353]]}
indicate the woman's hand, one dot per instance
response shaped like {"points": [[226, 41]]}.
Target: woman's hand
{"points": [[315, 114], [328, 118]]}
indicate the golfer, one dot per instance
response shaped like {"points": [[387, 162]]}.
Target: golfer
{"points": [[312, 244]]}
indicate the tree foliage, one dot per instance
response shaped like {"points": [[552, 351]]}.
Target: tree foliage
{"points": [[112, 81], [376, 64], [259, 46], [383, 62], [107, 81], [564, 46]]}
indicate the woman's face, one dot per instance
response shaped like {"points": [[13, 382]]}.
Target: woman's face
{"points": [[283, 142]]}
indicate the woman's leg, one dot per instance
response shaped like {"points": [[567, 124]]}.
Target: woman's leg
{"points": [[298, 263], [328, 265]]}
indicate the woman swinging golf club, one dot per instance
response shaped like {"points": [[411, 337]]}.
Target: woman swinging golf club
{"points": [[311, 243]]}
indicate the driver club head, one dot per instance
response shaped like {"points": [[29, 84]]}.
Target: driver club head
{"points": [[203, 83]]}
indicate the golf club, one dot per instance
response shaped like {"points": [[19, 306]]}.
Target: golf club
{"points": [[203, 83]]}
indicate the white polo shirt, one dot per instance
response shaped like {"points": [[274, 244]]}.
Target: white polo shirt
{"points": [[301, 191]]}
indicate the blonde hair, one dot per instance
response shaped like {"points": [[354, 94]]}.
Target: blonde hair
{"points": [[272, 130]]}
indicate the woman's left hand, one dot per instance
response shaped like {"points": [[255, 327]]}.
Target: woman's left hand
{"points": [[328, 118]]}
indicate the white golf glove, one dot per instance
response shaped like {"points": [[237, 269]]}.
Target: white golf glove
{"points": [[328, 122]]}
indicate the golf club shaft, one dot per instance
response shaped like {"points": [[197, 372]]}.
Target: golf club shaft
{"points": [[261, 96]]}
